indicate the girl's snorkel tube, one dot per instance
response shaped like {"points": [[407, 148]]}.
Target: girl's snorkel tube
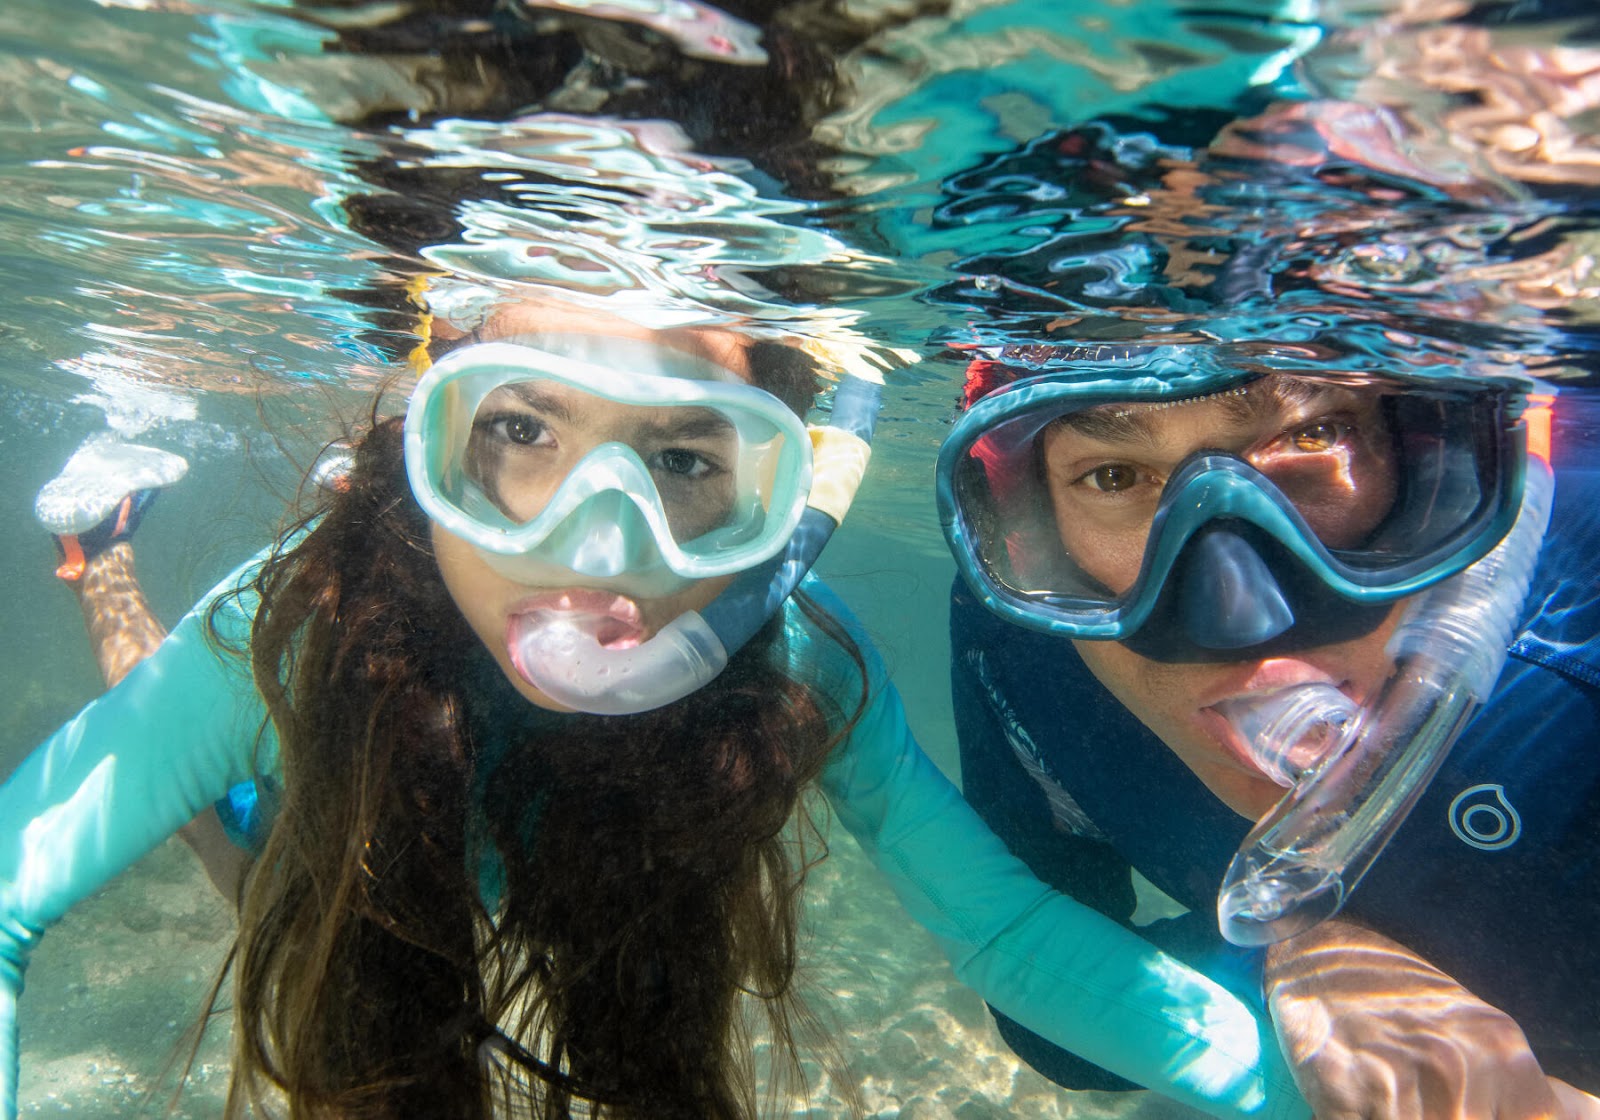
{"points": [[1302, 860]]}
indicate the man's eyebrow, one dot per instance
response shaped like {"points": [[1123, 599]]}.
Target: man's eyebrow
{"points": [[1276, 394], [1109, 423]]}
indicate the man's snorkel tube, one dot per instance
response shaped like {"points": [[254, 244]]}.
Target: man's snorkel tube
{"points": [[1301, 861], [568, 663]]}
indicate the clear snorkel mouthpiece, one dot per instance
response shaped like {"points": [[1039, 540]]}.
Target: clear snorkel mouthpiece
{"points": [[564, 656], [1293, 730], [1301, 861]]}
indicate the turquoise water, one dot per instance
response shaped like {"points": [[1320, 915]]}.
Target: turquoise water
{"points": [[181, 269]]}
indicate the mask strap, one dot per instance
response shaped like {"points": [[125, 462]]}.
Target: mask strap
{"points": [[1537, 419]]}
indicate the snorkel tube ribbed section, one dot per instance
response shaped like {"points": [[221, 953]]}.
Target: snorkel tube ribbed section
{"points": [[1302, 860]]}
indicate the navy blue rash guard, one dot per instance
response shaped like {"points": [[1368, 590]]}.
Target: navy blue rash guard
{"points": [[1495, 877]]}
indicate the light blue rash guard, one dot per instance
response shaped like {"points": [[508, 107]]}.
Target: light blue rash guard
{"points": [[185, 727]]}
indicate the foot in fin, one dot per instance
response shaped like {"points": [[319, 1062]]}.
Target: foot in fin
{"points": [[100, 496]]}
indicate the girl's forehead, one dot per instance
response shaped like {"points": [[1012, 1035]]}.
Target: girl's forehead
{"points": [[528, 321]]}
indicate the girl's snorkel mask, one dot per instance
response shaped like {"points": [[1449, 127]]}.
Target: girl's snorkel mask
{"points": [[608, 464], [1327, 492]]}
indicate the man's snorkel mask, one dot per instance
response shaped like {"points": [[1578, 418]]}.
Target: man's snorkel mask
{"points": [[597, 462], [1329, 495]]}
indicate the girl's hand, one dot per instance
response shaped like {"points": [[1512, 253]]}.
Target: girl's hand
{"points": [[1374, 1032]]}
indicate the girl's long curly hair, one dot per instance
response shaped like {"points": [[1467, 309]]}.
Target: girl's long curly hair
{"points": [[648, 880]]}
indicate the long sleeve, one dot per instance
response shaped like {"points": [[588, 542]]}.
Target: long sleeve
{"points": [[1054, 965], [126, 773]]}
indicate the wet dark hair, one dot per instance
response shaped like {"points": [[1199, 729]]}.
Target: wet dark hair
{"points": [[644, 872]]}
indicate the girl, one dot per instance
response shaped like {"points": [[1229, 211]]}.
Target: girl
{"points": [[527, 706]]}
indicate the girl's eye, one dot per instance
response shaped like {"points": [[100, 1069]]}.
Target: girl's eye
{"points": [[1324, 435], [682, 462], [1111, 478], [517, 427]]}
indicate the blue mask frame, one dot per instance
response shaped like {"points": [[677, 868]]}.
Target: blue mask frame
{"points": [[1209, 487]]}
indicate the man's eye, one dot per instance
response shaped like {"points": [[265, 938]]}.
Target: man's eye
{"points": [[1111, 478], [1324, 435]]}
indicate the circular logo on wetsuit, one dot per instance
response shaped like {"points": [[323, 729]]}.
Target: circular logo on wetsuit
{"points": [[1482, 817]]}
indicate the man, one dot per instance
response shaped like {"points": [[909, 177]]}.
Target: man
{"points": [[1165, 536]]}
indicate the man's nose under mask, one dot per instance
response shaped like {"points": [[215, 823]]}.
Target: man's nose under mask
{"points": [[1237, 594]]}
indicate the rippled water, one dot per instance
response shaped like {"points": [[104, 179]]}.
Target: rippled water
{"points": [[211, 209]]}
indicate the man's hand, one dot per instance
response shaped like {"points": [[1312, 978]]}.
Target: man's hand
{"points": [[1374, 1032]]}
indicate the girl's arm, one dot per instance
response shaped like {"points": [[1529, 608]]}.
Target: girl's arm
{"points": [[126, 773], [1056, 966]]}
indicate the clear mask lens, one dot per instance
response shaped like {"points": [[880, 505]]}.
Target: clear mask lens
{"points": [[699, 474], [606, 470]]}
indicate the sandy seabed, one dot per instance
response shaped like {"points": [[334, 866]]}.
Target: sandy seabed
{"points": [[116, 987]]}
